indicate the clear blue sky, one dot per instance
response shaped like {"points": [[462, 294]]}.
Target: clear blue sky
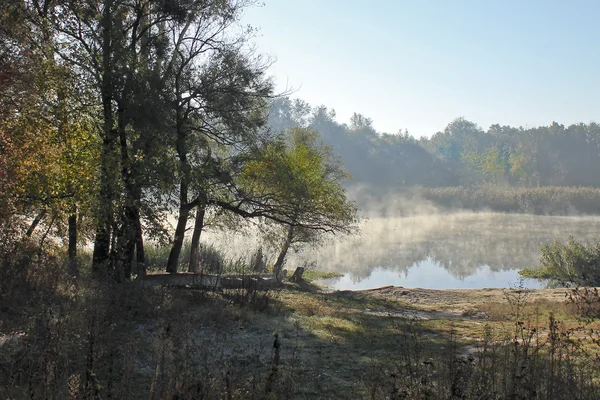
{"points": [[419, 64]]}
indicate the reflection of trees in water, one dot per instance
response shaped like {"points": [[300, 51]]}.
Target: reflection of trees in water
{"points": [[460, 243]]}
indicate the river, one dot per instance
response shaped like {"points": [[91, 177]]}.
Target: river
{"points": [[445, 251]]}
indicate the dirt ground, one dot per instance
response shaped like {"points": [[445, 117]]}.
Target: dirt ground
{"points": [[333, 344], [461, 302]]}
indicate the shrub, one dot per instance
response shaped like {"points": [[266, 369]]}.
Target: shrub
{"points": [[157, 256], [258, 262], [568, 264], [585, 301], [211, 259]]}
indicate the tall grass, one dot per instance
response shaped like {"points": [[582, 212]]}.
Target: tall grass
{"points": [[210, 258], [98, 341], [535, 360], [549, 200], [91, 340]]}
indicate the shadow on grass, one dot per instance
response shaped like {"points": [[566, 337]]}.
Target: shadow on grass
{"points": [[164, 343]]}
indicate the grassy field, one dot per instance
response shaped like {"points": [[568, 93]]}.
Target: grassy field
{"points": [[297, 342]]}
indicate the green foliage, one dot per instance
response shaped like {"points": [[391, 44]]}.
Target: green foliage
{"points": [[311, 275], [211, 260], [490, 164], [301, 180], [49, 148], [570, 264], [157, 255]]}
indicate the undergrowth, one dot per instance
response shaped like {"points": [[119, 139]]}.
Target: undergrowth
{"points": [[67, 338], [568, 264]]}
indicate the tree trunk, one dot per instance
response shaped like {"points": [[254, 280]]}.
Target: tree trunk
{"points": [[297, 276], [126, 241], [184, 213], [35, 222], [113, 257], [194, 265], [72, 249], [173, 261], [41, 245], [278, 267], [139, 247], [102, 254]]}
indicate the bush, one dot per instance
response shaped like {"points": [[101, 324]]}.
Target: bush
{"points": [[27, 271], [585, 301], [157, 256], [210, 258], [568, 264], [258, 262]]}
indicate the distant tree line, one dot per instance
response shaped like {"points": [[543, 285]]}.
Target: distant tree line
{"points": [[463, 154]]}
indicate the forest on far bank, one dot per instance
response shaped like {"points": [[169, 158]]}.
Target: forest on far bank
{"points": [[463, 154]]}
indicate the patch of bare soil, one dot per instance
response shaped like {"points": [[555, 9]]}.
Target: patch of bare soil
{"points": [[453, 303]]}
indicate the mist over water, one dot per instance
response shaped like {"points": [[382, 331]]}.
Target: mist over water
{"points": [[443, 251], [410, 242]]}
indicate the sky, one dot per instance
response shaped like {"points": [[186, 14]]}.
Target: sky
{"points": [[419, 64]]}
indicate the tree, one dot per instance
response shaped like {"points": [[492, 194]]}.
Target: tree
{"points": [[219, 103], [49, 149], [299, 177], [490, 164], [166, 79]]}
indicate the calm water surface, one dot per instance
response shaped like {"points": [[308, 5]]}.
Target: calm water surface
{"points": [[462, 250]]}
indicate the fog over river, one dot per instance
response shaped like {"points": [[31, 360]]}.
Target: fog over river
{"points": [[443, 251], [431, 249]]}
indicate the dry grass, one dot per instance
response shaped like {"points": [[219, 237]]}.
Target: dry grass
{"points": [[97, 342], [548, 200]]}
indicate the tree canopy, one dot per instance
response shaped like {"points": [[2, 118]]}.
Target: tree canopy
{"points": [[463, 154], [300, 178]]}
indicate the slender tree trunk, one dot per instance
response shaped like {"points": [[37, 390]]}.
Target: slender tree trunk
{"points": [[139, 247], [72, 250], [113, 257], [173, 261], [194, 265], [36, 221], [126, 242], [102, 242], [184, 213], [43, 239], [102, 254], [278, 267], [127, 233]]}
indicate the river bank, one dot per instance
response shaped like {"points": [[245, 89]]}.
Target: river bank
{"points": [[304, 341]]}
